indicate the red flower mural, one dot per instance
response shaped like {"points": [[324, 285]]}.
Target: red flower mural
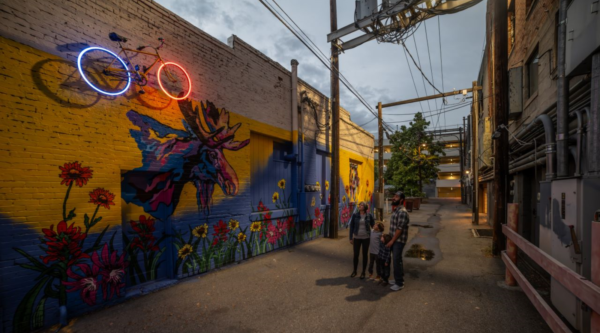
{"points": [[112, 271], [282, 227], [262, 207], [345, 215], [272, 234], [74, 172], [290, 222], [144, 229], [221, 231], [318, 220], [64, 244], [87, 283], [102, 197]]}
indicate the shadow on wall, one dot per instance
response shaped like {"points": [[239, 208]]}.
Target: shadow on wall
{"points": [[561, 230], [60, 81]]}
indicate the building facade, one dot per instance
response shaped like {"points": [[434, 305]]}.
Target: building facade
{"points": [[106, 197], [552, 129], [448, 181]]}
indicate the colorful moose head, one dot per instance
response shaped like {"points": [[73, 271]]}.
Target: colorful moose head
{"points": [[172, 158]]}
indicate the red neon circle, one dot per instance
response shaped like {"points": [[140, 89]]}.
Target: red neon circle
{"points": [[186, 74]]}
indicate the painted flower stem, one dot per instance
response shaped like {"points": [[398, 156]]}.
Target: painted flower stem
{"points": [[87, 227], [65, 202]]}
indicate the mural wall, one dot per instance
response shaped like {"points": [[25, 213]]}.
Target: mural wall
{"points": [[102, 197]]}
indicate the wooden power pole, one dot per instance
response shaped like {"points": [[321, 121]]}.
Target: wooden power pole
{"points": [[475, 156], [335, 128], [500, 118], [380, 162]]}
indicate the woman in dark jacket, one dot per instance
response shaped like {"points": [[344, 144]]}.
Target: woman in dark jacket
{"points": [[360, 226]]}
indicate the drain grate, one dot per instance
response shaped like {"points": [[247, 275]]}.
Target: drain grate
{"points": [[483, 232]]}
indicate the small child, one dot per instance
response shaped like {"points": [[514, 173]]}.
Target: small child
{"points": [[384, 259], [374, 248]]}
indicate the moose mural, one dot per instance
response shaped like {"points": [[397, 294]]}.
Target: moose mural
{"points": [[173, 158]]}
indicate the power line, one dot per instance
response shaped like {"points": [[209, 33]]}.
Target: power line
{"points": [[325, 61], [441, 61], [413, 79], [431, 116], [420, 70], [459, 104], [429, 55], [419, 67]]}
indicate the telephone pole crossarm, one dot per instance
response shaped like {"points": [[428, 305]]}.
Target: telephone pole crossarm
{"points": [[425, 98]]}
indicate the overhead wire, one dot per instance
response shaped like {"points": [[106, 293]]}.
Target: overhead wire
{"points": [[298, 34], [429, 55], [441, 63], [413, 79], [425, 116], [422, 77]]}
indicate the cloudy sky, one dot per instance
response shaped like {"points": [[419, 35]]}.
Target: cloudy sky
{"points": [[379, 72]]}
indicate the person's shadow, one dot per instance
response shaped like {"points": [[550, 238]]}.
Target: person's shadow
{"points": [[368, 290]]}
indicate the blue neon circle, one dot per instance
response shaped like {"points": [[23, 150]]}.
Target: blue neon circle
{"points": [[90, 84]]}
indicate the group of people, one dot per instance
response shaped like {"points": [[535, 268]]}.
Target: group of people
{"points": [[383, 249]]}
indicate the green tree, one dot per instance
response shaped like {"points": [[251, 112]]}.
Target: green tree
{"points": [[415, 157]]}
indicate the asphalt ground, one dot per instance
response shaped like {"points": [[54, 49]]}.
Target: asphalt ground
{"points": [[307, 288]]}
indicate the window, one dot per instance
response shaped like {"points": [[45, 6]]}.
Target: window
{"points": [[448, 175], [532, 74], [449, 159]]}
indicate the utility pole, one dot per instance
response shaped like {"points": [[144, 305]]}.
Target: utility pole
{"points": [[468, 157], [461, 159], [335, 128], [500, 118], [420, 176], [475, 156], [380, 161]]}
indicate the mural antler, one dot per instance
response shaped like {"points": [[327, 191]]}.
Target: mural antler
{"points": [[194, 155]]}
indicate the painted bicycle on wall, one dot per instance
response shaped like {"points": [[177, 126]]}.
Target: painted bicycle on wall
{"points": [[111, 74]]}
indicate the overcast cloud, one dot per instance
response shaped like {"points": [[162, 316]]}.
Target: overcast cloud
{"points": [[378, 71]]}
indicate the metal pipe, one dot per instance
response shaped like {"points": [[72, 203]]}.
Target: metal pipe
{"points": [[579, 138], [295, 141], [539, 161], [550, 143], [562, 94], [593, 132]]}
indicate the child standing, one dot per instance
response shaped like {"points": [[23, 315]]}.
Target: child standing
{"points": [[374, 248], [384, 259]]}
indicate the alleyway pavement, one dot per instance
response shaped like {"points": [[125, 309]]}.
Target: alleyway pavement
{"points": [[308, 288]]}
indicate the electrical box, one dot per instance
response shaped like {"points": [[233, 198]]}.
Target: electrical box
{"points": [[365, 8], [565, 213], [583, 35]]}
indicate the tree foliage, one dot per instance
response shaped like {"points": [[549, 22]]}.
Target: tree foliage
{"points": [[415, 157]]}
